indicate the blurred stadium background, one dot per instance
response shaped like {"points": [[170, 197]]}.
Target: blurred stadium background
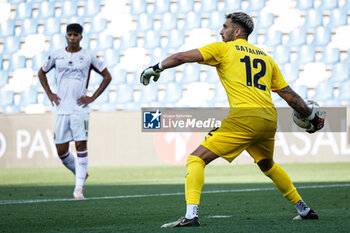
{"points": [[307, 38]]}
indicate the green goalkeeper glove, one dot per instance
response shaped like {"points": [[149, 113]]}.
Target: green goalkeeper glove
{"points": [[152, 71]]}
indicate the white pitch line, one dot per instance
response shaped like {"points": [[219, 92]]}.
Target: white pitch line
{"points": [[10, 202]]}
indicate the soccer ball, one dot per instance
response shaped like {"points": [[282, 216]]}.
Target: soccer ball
{"points": [[304, 122]]}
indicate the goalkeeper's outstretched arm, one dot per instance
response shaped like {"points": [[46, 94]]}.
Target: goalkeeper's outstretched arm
{"points": [[172, 61]]}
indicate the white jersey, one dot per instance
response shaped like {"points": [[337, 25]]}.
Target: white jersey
{"points": [[72, 77]]}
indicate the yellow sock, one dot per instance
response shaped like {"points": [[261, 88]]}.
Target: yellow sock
{"points": [[282, 181], [194, 179]]}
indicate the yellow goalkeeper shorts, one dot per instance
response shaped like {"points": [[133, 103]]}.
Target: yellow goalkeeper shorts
{"points": [[254, 134]]}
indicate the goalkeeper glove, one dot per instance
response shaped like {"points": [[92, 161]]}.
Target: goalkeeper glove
{"points": [[152, 71], [317, 119]]}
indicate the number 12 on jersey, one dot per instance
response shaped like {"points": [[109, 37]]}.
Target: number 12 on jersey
{"points": [[257, 76]]}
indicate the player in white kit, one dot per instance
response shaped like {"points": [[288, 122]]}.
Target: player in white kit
{"points": [[73, 65]]}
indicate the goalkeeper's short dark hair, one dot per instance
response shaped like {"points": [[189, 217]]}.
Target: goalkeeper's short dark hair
{"points": [[75, 27], [242, 19]]}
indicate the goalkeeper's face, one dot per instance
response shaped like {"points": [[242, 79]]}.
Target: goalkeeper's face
{"points": [[228, 31]]}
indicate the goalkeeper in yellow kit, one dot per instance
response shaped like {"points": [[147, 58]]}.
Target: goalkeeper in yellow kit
{"points": [[248, 75]]}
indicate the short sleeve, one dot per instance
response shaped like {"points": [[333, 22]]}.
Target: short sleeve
{"points": [[49, 64], [97, 64], [277, 82], [213, 53]]}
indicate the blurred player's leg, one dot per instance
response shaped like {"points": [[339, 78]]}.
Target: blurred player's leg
{"points": [[66, 156], [68, 161], [81, 167]]}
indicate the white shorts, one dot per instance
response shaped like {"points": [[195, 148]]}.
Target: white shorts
{"points": [[71, 127]]}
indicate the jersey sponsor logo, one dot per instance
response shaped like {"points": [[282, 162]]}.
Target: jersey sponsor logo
{"points": [[152, 119]]}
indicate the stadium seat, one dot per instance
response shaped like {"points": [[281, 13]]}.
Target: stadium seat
{"points": [[98, 25], [232, 5], [255, 5], [184, 6], [69, 8], [128, 40], [168, 21], [338, 17], [219, 94], [29, 26], [313, 18], [46, 10], [158, 54], [152, 39], [107, 107], [167, 76], [11, 109], [7, 28], [91, 8], [173, 93], [297, 37], [176, 38], [124, 93], [104, 41], [162, 6], [340, 72], [344, 93], [24, 10], [3, 77], [191, 73], [6, 97], [290, 72], [330, 55], [253, 38], [38, 60], [28, 96], [58, 41], [322, 36], [281, 54], [215, 20], [328, 5], [264, 21], [52, 26], [16, 62], [138, 6], [110, 57], [305, 54], [118, 75], [145, 22], [273, 38], [12, 45], [301, 90], [212, 75], [323, 91], [305, 4], [208, 6], [148, 94], [192, 20]]}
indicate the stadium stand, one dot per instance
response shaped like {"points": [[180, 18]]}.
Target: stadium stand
{"points": [[152, 30]]}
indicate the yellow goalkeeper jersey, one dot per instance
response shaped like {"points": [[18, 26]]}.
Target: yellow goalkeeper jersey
{"points": [[248, 75]]}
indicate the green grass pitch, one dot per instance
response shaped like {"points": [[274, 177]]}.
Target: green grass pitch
{"points": [[236, 198]]}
